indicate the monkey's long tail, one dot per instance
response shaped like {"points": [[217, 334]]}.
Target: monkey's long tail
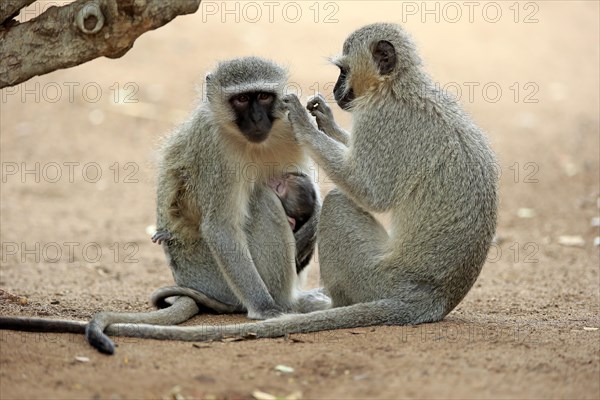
{"points": [[183, 309], [42, 325], [380, 312], [158, 299]]}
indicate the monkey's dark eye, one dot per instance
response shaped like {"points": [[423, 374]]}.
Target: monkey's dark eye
{"points": [[242, 98], [265, 98]]}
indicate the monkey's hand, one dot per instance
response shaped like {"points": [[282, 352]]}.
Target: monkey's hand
{"points": [[318, 108], [161, 235], [299, 118]]}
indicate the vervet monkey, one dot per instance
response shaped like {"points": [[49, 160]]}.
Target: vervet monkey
{"points": [[232, 247]]}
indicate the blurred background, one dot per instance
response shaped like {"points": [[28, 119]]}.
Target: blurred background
{"points": [[78, 199]]}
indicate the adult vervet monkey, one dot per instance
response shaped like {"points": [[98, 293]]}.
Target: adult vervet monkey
{"points": [[231, 247]]}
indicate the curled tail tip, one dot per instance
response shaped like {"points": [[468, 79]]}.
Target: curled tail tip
{"points": [[99, 340]]}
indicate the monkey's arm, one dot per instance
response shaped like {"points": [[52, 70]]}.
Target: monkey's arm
{"points": [[318, 108], [306, 239], [332, 156], [228, 245]]}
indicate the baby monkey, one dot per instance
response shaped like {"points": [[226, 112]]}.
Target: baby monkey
{"points": [[298, 198], [297, 195]]}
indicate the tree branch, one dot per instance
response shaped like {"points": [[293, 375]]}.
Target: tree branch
{"points": [[10, 8], [66, 36]]}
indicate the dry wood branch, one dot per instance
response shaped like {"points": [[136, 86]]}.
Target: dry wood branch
{"points": [[66, 36], [9, 8]]}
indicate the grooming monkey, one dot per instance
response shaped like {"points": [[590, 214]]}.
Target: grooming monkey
{"points": [[299, 200], [414, 153], [232, 249]]}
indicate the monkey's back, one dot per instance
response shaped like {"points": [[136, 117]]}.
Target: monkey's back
{"points": [[440, 183]]}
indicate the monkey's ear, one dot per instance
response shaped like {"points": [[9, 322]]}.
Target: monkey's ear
{"points": [[384, 55]]}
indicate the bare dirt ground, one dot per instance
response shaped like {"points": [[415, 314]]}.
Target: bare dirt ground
{"points": [[73, 228]]}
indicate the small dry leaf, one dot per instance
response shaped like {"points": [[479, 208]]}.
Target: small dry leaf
{"points": [[247, 336], [284, 368], [571, 241], [258, 395], [231, 339], [571, 169], [525, 213], [12, 297], [589, 328], [250, 336], [201, 346], [174, 393], [82, 359]]}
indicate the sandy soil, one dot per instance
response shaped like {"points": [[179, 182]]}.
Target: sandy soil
{"points": [[75, 242]]}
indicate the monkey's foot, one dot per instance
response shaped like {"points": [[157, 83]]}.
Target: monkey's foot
{"points": [[313, 300]]}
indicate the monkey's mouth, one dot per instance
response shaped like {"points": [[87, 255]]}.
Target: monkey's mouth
{"points": [[345, 102], [256, 136]]}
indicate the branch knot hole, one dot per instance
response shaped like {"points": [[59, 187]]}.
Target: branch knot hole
{"points": [[90, 19]]}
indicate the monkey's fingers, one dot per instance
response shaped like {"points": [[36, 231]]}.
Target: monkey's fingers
{"points": [[298, 116], [324, 122], [292, 102], [319, 115], [161, 236], [315, 102]]}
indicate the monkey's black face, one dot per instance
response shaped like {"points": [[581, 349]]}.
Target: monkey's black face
{"points": [[254, 114], [343, 98]]}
